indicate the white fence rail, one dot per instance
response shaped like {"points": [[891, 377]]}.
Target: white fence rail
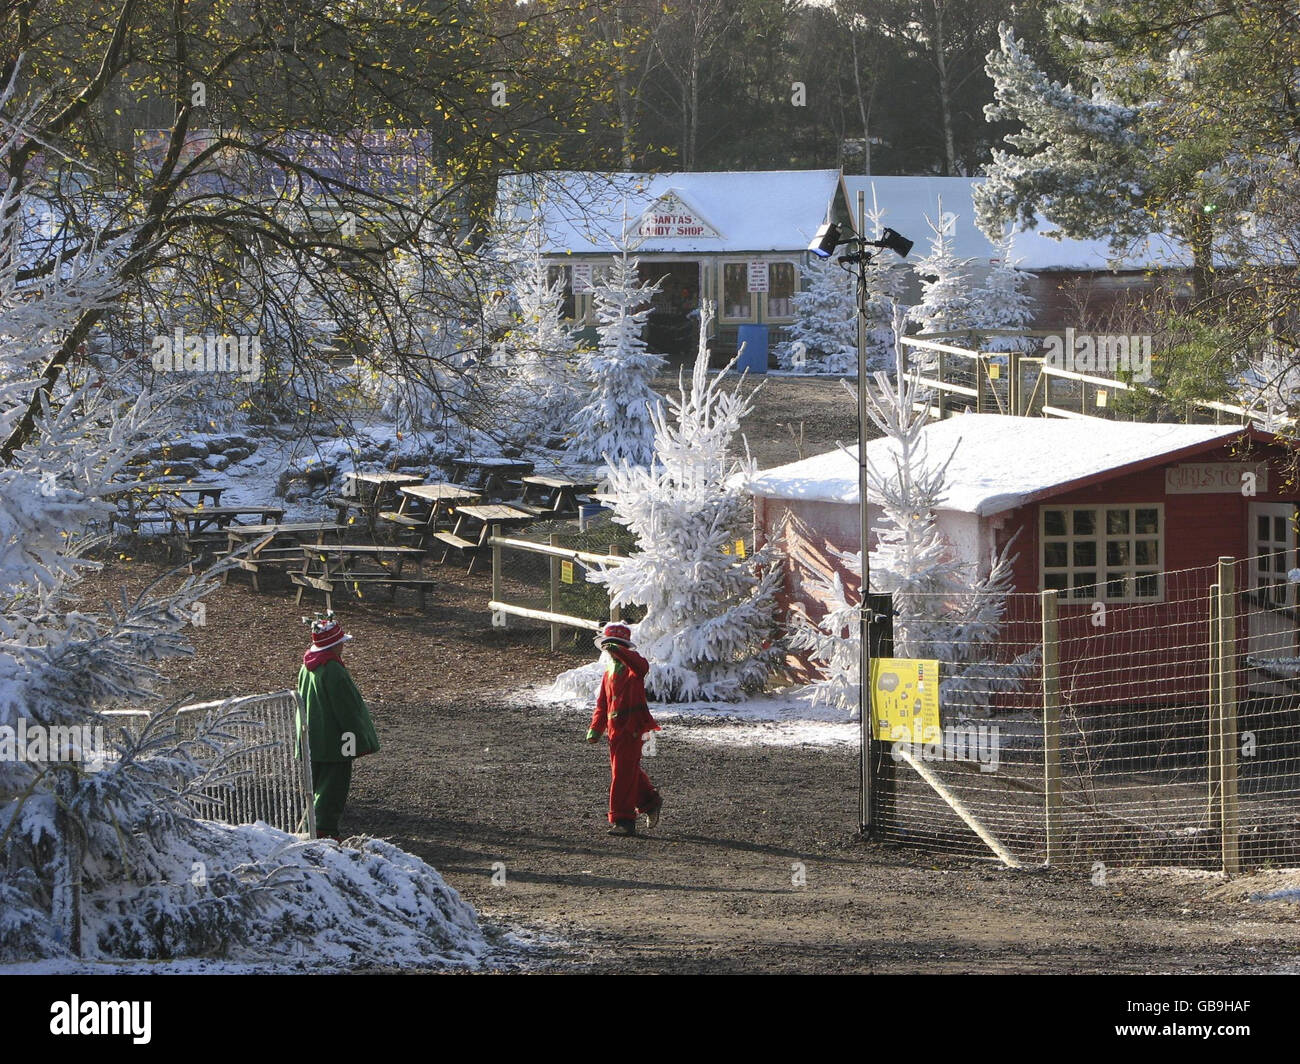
{"points": [[268, 783]]}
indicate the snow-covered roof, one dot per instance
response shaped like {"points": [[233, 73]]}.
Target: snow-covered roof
{"points": [[586, 212], [998, 462], [908, 201]]}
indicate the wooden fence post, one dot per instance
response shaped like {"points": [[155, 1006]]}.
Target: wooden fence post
{"points": [[1051, 727], [981, 369], [496, 569], [615, 612], [943, 405], [1013, 382], [1213, 775], [555, 591], [1227, 655]]}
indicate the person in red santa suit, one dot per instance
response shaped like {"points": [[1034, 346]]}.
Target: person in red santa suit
{"points": [[622, 713]]}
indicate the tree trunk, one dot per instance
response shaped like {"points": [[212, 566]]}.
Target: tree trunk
{"points": [[945, 92], [864, 105]]}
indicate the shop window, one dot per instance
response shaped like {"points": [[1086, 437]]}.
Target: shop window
{"points": [[780, 290], [554, 273], [737, 301]]}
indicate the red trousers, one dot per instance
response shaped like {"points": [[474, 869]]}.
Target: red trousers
{"points": [[630, 789]]}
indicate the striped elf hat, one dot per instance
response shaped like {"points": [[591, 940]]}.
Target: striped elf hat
{"points": [[326, 632]]}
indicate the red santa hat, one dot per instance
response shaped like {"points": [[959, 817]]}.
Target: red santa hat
{"points": [[614, 632], [326, 632]]}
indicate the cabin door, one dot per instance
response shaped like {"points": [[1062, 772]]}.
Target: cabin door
{"points": [[1270, 597]]}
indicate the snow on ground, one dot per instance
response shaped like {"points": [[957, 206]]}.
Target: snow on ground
{"points": [[780, 718]]}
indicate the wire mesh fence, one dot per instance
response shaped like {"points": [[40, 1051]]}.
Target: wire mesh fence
{"points": [[1092, 729], [262, 779], [542, 574]]}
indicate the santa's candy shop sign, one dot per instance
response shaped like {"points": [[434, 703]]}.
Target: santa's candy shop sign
{"points": [[671, 218]]}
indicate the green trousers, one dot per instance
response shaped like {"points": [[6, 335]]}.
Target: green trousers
{"points": [[331, 781]]}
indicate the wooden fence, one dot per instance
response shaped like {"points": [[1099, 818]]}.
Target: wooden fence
{"points": [[558, 555], [1012, 382]]}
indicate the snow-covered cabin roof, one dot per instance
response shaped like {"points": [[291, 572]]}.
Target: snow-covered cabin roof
{"points": [[908, 201], [589, 212], [999, 462]]}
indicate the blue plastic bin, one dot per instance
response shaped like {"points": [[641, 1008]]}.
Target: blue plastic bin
{"points": [[754, 356]]}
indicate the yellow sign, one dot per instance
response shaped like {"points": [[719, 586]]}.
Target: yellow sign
{"points": [[740, 548], [566, 572], [905, 699], [995, 371]]}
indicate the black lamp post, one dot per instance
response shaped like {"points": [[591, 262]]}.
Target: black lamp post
{"points": [[824, 244]]}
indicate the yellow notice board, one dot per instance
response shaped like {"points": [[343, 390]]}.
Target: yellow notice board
{"points": [[905, 698]]}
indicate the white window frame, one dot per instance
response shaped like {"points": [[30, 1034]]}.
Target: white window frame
{"points": [[722, 293], [1101, 568], [767, 296], [1275, 584]]}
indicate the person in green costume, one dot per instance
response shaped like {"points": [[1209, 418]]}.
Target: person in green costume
{"points": [[339, 728]]}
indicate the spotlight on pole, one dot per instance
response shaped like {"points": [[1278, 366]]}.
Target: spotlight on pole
{"points": [[894, 241], [826, 240]]}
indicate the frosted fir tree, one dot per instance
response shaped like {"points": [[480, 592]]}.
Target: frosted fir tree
{"points": [[709, 602], [823, 338], [1270, 388], [946, 289], [942, 608], [541, 346], [617, 422], [1004, 302], [884, 279]]}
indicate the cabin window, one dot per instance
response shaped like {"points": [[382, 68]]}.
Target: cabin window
{"points": [[1102, 553], [780, 290], [737, 301], [555, 273]]}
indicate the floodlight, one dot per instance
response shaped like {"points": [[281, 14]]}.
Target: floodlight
{"points": [[894, 241], [826, 240]]}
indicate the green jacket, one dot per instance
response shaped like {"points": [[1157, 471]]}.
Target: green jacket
{"points": [[335, 712]]}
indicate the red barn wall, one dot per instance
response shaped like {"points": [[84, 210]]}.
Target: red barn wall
{"points": [[1156, 651]]}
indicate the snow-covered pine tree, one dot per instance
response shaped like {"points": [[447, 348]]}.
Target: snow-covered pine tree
{"points": [[1003, 302], [942, 608], [946, 291], [884, 278], [709, 602], [823, 338], [541, 347], [616, 424]]}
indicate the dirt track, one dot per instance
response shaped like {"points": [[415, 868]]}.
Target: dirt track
{"points": [[467, 778]]}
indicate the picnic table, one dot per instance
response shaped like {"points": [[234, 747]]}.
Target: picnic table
{"points": [[275, 545], [150, 492], [477, 522], [205, 526], [202, 518], [424, 505], [368, 493], [326, 567], [556, 495], [490, 476]]}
